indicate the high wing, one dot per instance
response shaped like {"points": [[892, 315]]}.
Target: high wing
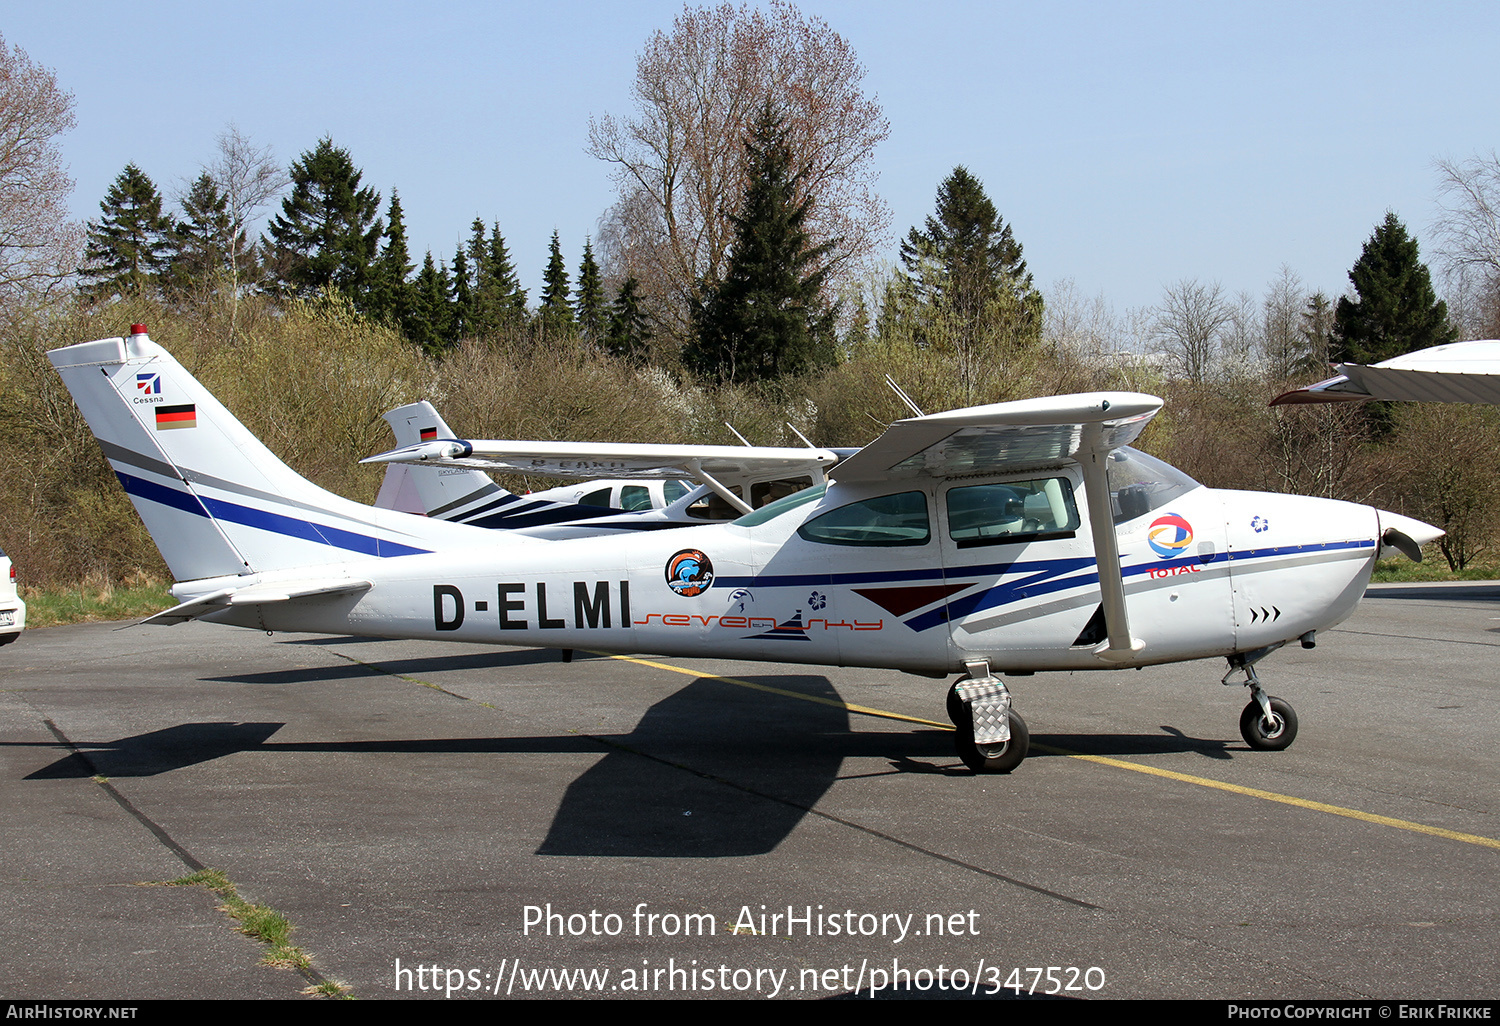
{"points": [[612, 459], [709, 464], [1019, 436], [1003, 436], [1461, 372]]}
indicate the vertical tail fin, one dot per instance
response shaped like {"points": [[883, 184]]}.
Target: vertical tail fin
{"points": [[216, 501], [452, 493]]}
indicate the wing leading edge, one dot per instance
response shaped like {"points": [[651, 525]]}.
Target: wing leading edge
{"points": [[1461, 372]]}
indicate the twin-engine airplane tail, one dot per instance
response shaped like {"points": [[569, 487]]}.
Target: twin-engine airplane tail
{"points": [[217, 502]]}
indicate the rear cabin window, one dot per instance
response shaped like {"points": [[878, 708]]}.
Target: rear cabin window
{"points": [[899, 519], [1015, 511]]}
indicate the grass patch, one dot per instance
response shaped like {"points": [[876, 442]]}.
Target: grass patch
{"points": [[52, 607], [1433, 568], [263, 923]]}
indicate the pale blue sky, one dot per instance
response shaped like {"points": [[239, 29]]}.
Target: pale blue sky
{"points": [[1129, 145]]}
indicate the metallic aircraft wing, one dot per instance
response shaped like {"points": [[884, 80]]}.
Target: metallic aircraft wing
{"points": [[1002, 437], [1461, 372], [613, 460]]}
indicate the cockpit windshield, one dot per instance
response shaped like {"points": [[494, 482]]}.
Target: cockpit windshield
{"points": [[780, 506], [1139, 483]]}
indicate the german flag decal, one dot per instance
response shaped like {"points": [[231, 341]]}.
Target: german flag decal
{"points": [[184, 416], [429, 434]]}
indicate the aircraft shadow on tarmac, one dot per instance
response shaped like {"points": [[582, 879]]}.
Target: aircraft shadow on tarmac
{"points": [[714, 770]]}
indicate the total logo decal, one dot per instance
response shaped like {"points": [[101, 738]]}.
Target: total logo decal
{"points": [[1169, 536]]}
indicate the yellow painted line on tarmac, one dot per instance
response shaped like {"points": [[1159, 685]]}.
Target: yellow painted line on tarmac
{"points": [[864, 710], [1185, 778], [1285, 799]]}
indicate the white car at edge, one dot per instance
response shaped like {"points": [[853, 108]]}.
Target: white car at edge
{"points": [[12, 609]]}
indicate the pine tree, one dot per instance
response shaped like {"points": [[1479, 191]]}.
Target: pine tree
{"points": [[966, 266], [589, 302], [629, 330], [130, 245], [462, 305], [556, 312], [390, 293], [204, 244], [328, 231], [506, 283], [1395, 309], [768, 317], [429, 322]]}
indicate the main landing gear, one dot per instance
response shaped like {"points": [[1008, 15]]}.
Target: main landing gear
{"points": [[1268, 724], [990, 737]]}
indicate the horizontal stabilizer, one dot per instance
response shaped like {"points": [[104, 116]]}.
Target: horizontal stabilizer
{"points": [[256, 594]]}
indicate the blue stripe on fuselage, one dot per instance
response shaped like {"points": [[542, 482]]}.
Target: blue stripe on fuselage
{"points": [[262, 520]]}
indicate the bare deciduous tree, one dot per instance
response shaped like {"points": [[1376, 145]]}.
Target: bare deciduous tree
{"points": [[679, 158], [1283, 345], [1467, 230], [1188, 324], [250, 179], [38, 244]]}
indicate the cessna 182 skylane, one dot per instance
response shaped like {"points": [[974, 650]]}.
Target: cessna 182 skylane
{"points": [[1008, 538]]}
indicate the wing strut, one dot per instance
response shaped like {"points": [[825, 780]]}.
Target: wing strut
{"points": [[1093, 458], [695, 468]]}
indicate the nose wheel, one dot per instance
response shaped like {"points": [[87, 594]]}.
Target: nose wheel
{"points": [[1268, 724], [1269, 730]]}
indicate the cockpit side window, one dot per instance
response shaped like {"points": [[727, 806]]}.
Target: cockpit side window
{"points": [[1014, 511], [886, 520]]}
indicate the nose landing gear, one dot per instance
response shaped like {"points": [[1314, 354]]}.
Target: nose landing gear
{"points": [[1268, 724]]}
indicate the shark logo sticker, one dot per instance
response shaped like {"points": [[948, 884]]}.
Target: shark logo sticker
{"points": [[689, 573]]}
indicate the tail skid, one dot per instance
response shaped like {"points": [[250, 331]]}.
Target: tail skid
{"points": [[217, 502]]}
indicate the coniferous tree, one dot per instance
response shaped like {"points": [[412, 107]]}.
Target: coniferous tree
{"points": [[1394, 309], [506, 283], [592, 308], [556, 312], [462, 305], [429, 323], [329, 231], [768, 317], [966, 265], [629, 328], [129, 247], [390, 294], [204, 244]]}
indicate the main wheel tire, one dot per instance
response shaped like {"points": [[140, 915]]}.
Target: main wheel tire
{"points": [[1268, 737], [1000, 758], [958, 710]]}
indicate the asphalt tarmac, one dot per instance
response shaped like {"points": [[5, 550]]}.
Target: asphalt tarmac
{"points": [[458, 822]]}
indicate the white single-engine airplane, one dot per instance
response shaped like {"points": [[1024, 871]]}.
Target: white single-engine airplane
{"points": [[1009, 538], [431, 473]]}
